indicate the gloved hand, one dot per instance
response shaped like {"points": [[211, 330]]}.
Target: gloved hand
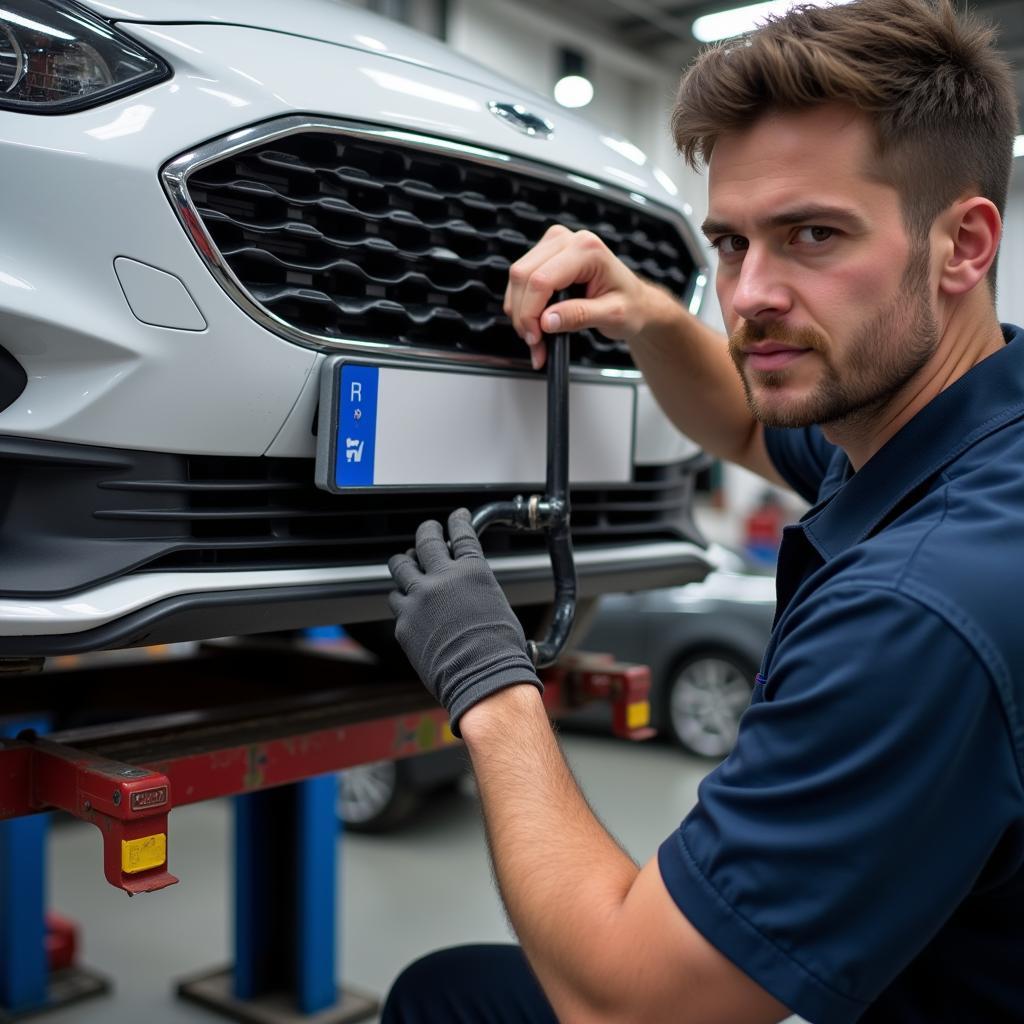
{"points": [[454, 621]]}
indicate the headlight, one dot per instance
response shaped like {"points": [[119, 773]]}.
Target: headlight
{"points": [[56, 56]]}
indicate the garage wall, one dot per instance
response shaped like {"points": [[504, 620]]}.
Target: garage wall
{"points": [[1010, 290], [426, 15], [524, 46], [632, 96]]}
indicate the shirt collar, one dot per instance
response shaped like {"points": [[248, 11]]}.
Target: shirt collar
{"points": [[984, 399]]}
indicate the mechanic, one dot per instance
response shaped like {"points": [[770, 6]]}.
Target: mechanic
{"points": [[859, 855]]}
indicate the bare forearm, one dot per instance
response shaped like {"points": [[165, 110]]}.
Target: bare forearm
{"points": [[606, 940], [687, 365], [562, 877]]}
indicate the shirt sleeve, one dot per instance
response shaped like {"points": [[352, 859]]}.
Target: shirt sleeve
{"points": [[870, 782], [801, 456]]}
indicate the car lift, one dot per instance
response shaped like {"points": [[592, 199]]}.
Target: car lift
{"points": [[277, 755]]}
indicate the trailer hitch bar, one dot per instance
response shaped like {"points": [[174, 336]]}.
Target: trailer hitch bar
{"points": [[548, 512]]}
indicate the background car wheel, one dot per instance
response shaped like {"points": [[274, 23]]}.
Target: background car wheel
{"points": [[707, 692], [375, 797]]}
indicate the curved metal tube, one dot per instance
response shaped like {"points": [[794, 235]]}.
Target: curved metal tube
{"points": [[546, 651], [549, 512], [508, 513]]}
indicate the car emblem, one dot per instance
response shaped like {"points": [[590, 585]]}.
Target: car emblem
{"points": [[515, 115]]}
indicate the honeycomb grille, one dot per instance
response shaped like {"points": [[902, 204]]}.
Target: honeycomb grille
{"points": [[353, 238]]}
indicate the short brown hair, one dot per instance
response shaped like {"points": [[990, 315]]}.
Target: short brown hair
{"points": [[941, 98]]}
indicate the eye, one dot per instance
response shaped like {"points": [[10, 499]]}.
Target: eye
{"points": [[730, 245], [814, 234]]}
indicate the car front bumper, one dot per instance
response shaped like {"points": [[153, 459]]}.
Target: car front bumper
{"points": [[163, 607]]}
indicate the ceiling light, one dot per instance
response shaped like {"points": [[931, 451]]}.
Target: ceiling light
{"points": [[574, 91], [573, 88], [726, 24]]}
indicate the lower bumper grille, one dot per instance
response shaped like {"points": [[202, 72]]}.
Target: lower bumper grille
{"points": [[76, 515]]}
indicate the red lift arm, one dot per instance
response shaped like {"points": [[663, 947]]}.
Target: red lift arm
{"points": [[126, 777]]}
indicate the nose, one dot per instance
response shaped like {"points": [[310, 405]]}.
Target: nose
{"points": [[759, 292]]}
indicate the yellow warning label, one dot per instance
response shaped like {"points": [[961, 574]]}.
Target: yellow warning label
{"points": [[143, 854], [638, 715]]}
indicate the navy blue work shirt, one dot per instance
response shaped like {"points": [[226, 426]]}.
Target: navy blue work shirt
{"points": [[860, 854]]}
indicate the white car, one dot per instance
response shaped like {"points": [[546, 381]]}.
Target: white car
{"points": [[205, 206]]}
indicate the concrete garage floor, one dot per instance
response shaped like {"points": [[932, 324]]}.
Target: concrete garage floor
{"points": [[402, 895]]}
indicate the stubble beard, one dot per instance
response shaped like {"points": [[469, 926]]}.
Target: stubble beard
{"points": [[884, 355]]}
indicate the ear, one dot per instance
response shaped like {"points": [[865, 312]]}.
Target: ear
{"points": [[972, 229]]}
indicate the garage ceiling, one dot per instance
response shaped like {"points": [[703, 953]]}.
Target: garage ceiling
{"points": [[661, 28]]}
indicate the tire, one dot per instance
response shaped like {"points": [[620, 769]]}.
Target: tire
{"points": [[704, 696], [375, 797]]}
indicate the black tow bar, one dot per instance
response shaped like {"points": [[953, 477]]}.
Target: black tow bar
{"points": [[548, 512]]}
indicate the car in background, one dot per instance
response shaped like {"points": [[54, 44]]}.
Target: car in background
{"points": [[251, 326], [703, 643], [383, 795]]}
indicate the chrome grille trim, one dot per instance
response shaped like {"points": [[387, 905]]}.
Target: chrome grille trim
{"points": [[176, 174]]}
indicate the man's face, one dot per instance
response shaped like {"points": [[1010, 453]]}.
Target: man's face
{"points": [[825, 298]]}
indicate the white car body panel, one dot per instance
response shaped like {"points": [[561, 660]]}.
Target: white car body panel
{"points": [[100, 369], [164, 359], [329, 21]]}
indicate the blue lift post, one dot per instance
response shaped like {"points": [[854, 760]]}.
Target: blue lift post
{"points": [[26, 983], [24, 972], [286, 854]]}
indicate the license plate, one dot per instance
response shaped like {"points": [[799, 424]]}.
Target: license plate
{"points": [[392, 426]]}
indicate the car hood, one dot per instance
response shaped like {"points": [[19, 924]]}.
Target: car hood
{"points": [[326, 20], [578, 144]]}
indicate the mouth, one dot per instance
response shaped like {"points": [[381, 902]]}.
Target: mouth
{"points": [[766, 357]]}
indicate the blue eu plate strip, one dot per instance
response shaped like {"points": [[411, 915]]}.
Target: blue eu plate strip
{"points": [[357, 426]]}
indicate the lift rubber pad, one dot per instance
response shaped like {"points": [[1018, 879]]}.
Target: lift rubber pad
{"points": [[214, 991], [390, 426], [64, 987]]}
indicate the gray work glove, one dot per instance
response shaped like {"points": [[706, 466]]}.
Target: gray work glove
{"points": [[454, 621]]}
